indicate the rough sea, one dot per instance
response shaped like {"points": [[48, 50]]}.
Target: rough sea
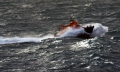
{"points": [[27, 42]]}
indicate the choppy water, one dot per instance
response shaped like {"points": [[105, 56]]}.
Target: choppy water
{"points": [[27, 43]]}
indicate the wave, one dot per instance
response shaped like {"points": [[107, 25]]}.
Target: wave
{"points": [[5, 40]]}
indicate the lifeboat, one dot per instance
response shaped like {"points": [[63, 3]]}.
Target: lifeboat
{"points": [[83, 31]]}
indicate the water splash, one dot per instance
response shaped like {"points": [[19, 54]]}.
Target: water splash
{"points": [[4, 40]]}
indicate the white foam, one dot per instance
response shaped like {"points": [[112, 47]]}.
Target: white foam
{"points": [[99, 29], [4, 40]]}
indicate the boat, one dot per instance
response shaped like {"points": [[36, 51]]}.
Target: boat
{"points": [[90, 30]]}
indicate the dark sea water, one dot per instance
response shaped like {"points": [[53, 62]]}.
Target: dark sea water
{"points": [[27, 43]]}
